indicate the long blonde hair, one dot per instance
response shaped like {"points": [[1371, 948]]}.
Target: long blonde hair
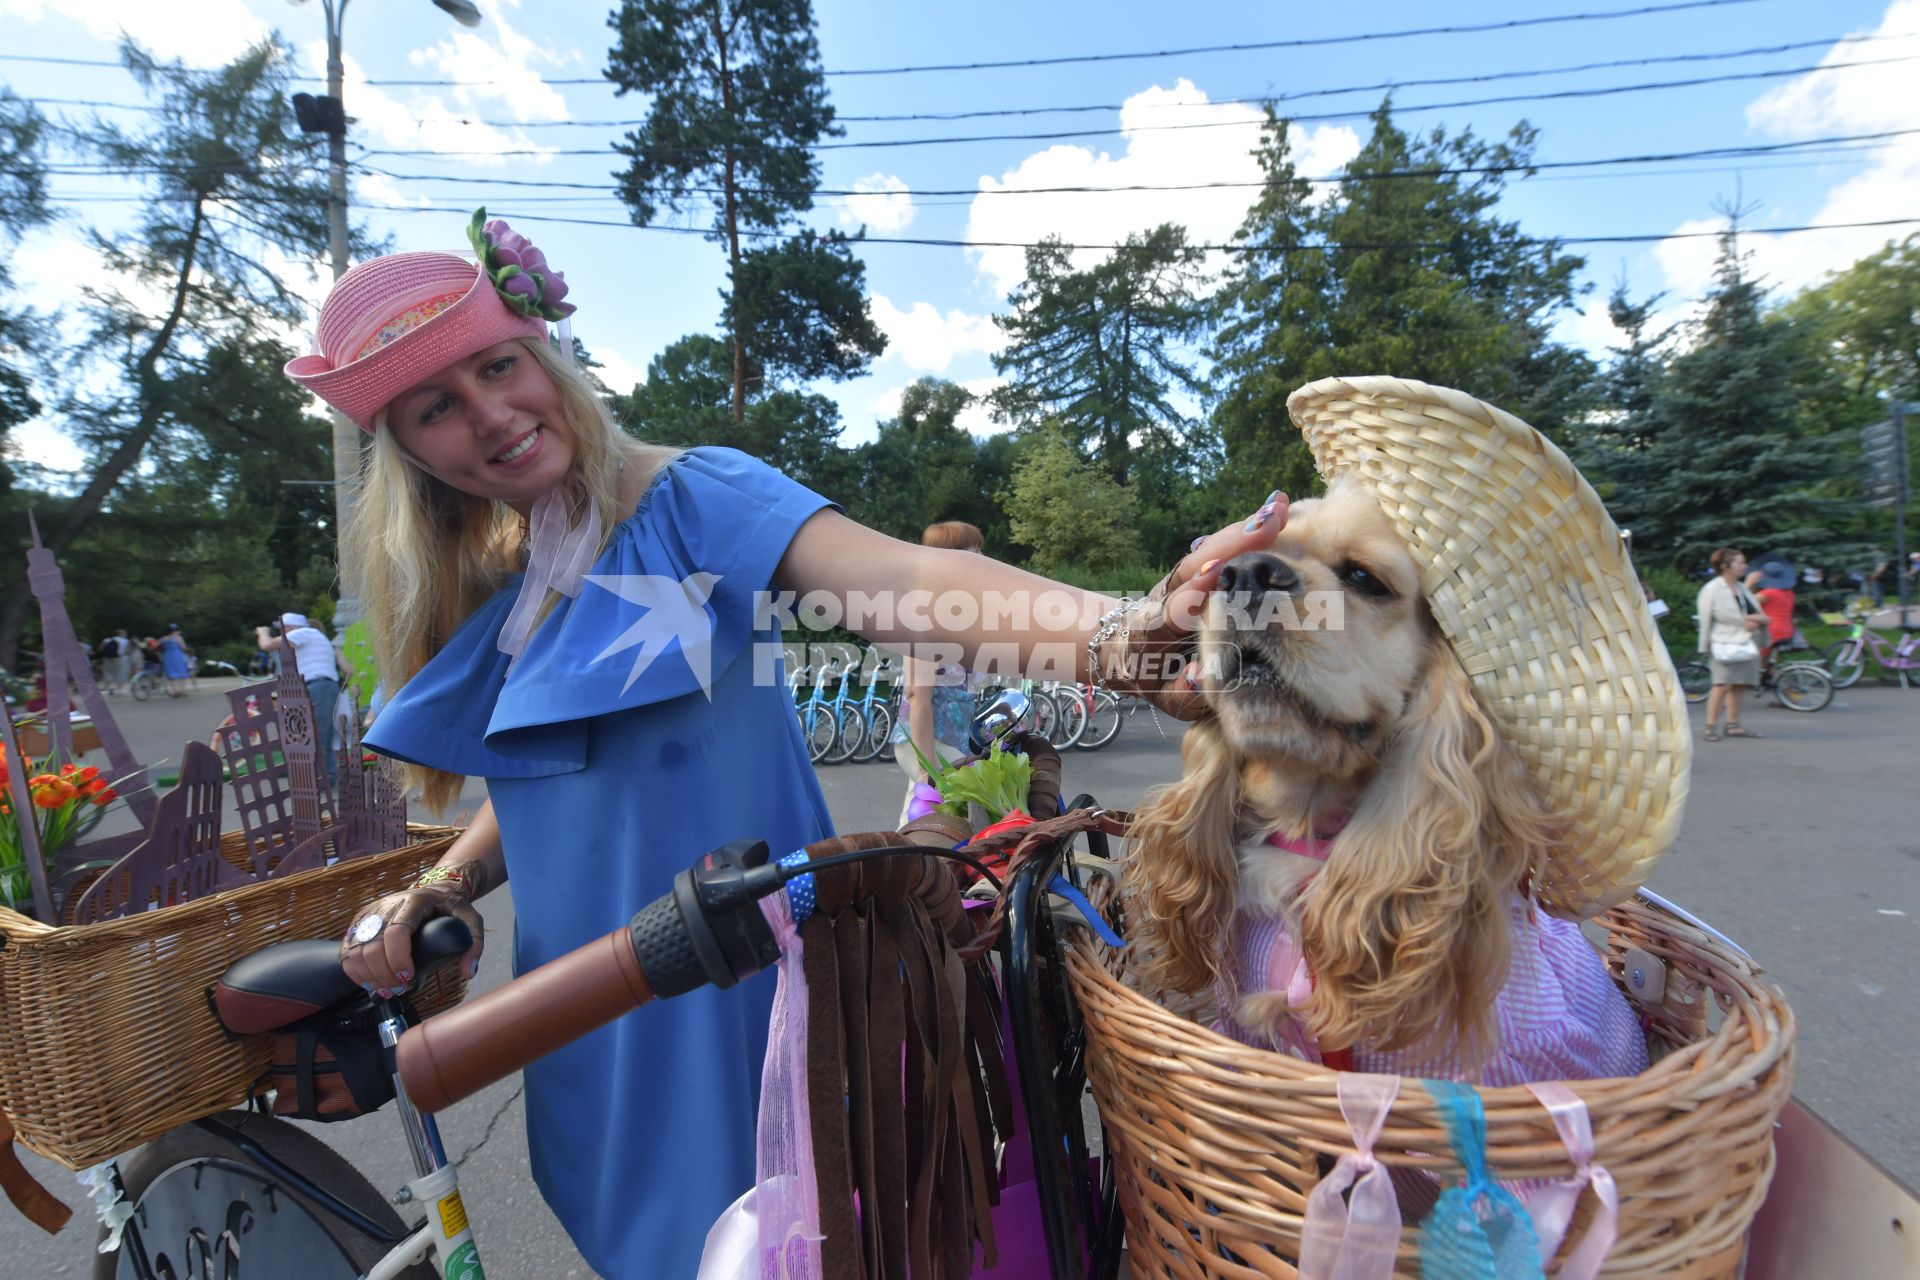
{"points": [[424, 555]]}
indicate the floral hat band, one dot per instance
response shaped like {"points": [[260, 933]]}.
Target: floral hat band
{"points": [[391, 322]]}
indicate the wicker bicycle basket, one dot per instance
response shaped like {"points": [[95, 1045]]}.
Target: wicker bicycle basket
{"points": [[107, 1032], [1216, 1145]]}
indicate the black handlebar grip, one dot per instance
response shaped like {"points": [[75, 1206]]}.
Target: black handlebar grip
{"points": [[664, 948]]}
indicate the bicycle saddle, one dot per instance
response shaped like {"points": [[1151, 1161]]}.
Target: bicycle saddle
{"points": [[279, 985]]}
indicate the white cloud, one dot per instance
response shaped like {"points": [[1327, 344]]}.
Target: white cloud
{"points": [[1870, 99], [217, 31], [885, 204], [42, 443], [424, 121], [1222, 152], [494, 66], [925, 339], [619, 373], [975, 417]]}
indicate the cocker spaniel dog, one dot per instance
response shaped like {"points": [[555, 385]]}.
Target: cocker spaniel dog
{"points": [[1346, 858]]}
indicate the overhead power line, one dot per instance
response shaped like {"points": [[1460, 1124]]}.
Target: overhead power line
{"points": [[1706, 153], [1345, 245], [1295, 95], [1306, 118], [1308, 42], [1305, 42]]}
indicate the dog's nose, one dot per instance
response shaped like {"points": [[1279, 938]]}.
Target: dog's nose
{"points": [[1257, 573]]}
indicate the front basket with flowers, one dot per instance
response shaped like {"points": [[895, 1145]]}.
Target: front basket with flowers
{"points": [[69, 800]]}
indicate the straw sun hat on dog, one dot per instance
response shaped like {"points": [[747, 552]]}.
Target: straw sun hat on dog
{"points": [[1528, 579]]}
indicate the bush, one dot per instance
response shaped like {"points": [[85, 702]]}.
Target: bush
{"points": [[1678, 628]]}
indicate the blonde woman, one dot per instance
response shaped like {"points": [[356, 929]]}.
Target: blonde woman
{"points": [[613, 694]]}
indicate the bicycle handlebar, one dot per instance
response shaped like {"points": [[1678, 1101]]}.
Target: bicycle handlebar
{"points": [[709, 929]]}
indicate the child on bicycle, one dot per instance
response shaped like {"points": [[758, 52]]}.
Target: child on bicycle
{"points": [[576, 617]]}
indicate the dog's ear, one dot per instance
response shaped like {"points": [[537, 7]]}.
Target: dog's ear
{"points": [[1183, 870], [1407, 925]]}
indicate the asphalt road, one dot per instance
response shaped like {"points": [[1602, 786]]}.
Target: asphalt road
{"points": [[1804, 846]]}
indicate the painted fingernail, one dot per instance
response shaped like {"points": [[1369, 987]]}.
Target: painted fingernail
{"points": [[1192, 675], [1258, 519], [382, 992], [366, 986], [1275, 498], [1208, 566], [405, 975], [1195, 544]]}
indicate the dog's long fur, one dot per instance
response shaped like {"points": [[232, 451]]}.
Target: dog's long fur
{"points": [[1406, 925]]}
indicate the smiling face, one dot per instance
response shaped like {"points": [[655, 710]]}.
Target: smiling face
{"points": [[491, 424], [1309, 652]]}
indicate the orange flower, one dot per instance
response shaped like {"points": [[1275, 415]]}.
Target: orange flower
{"points": [[106, 797], [69, 768], [93, 787], [89, 773], [49, 798]]}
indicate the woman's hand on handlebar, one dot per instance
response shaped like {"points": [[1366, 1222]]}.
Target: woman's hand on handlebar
{"points": [[377, 951]]}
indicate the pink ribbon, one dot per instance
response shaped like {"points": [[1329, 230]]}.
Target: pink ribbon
{"points": [[1552, 1205], [1356, 1238], [562, 554]]}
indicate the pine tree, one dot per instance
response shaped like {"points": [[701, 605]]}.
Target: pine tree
{"points": [[1100, 351], [23, 204], [737, 101], [1727, 453]]}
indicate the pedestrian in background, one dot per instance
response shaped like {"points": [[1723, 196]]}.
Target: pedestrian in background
{"points": [[321, 668], [176, 661], [1730, 623], [936, 709]]}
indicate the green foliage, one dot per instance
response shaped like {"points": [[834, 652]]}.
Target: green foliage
{"points": [[800, 308], [736, 102], [1099, 351], [1411, 274], [23, 204], [1720, 447], [1680, 593], [1069, 511], [923, 467]]}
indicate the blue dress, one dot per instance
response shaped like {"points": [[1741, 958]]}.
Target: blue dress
{"points": [[173, 659], [610, 770]]}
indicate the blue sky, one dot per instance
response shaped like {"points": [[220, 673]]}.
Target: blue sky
{"points": [[639, 290]]}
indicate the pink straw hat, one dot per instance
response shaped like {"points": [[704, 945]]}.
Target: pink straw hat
{"points": [[390, 322], [393, 321]]}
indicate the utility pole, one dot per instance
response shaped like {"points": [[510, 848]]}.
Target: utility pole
{"points": [[328, 115]]}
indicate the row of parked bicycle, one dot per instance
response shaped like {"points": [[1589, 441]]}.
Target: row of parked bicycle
{"points": [[847, 716]]}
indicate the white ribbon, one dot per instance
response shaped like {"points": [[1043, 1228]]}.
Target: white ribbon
{"points": [[562, 554], [1356, 1238], [1552, 1205]]}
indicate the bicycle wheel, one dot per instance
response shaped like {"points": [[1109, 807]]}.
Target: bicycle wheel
{"points": [[1046, 714], [820, 728], [199, 1202], [1845, 662], [879, 734], [141, 687], [1696, 680], [1803, 687], [1103, 722], [1071, 722], [849, 735]]}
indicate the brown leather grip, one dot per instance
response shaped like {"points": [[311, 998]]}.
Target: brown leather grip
{"points": [[456, 1054]]}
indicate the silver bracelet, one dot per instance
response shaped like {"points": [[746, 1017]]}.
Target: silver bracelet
{"points": [[1112, 622]]}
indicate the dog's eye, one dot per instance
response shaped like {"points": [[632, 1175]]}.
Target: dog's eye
{"points": [[1357, 577]]}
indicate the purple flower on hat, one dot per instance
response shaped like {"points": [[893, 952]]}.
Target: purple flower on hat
{"points": [[518, 270]]}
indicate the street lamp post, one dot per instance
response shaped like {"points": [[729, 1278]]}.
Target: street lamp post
{"points": [[329, 117]]}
